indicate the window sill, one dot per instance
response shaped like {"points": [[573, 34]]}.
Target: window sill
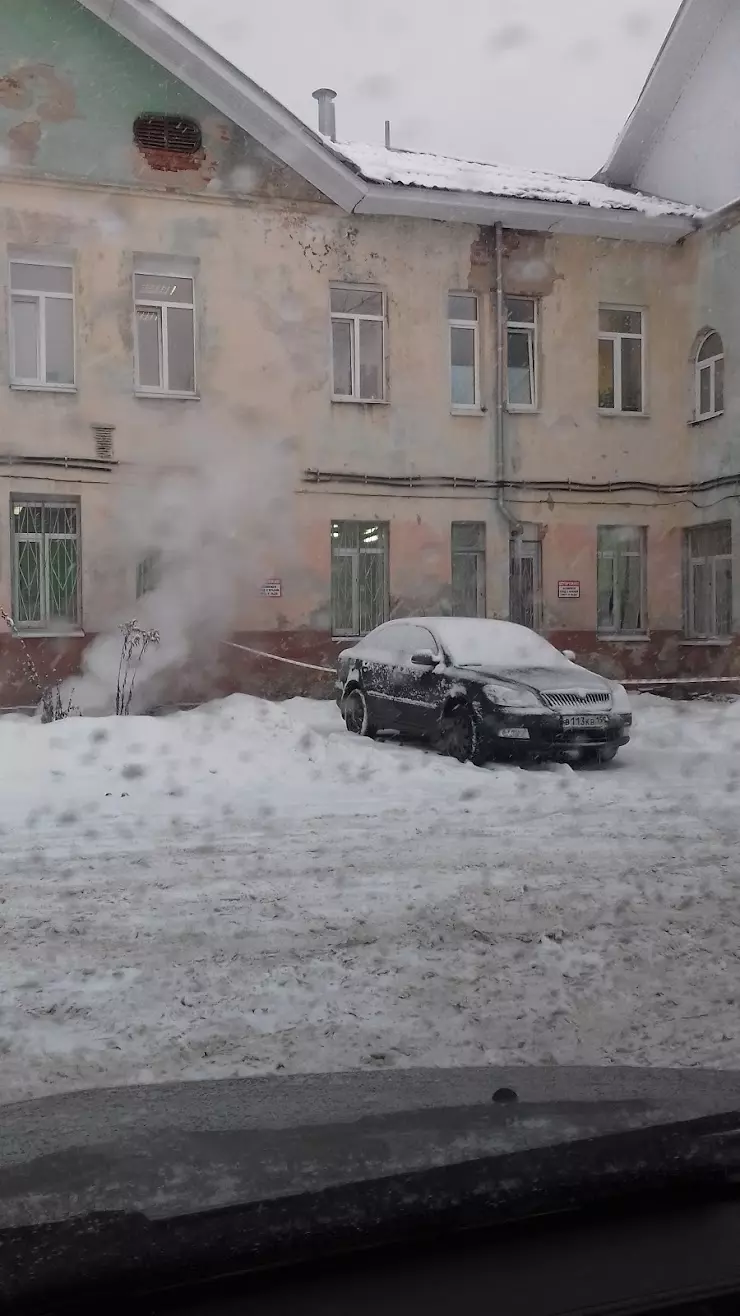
{"points": [[362, 402], [623, 415], [23, 633], [641, 638], [722, 642], [468, 411], [43, 388], [515, 410], [166, 397], [701, 420]]}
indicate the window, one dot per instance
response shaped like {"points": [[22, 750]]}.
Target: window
{"points": [[621, 360], [359, 577], [168, 132], [525, 581], [521, 372], [42, 325], [462, 313], [709, 581], [621, 580], [468, 568], [148, 574], [165, 334], [710, 377], [45, 538], [358, 343]]}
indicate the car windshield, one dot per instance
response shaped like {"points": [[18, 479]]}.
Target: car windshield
{"points": [[480, 643], [369, 622]]}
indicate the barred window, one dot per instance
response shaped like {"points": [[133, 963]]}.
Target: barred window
{"points": [[46, 594], [359, 576]]}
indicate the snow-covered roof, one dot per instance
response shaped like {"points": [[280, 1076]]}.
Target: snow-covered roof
{"points": [[370, 180], [379, 164]]}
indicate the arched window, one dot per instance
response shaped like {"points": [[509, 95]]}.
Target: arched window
{"points": [[710, 377]]}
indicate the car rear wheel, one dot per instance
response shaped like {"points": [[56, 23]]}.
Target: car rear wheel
{"points": [[356, 715], [460, 737]]}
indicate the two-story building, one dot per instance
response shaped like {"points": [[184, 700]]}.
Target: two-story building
{"points": [[257, 384]]}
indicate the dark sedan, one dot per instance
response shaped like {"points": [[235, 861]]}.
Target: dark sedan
{"points": [[480, 689]]}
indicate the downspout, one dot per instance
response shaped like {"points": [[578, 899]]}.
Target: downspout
{"points": [[512, 521], [499, 473]]}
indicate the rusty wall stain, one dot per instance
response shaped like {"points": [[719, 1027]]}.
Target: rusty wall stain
{"points": [[53, 98], [23, 140]]}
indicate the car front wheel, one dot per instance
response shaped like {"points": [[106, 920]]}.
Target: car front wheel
{"points": [[599, 756], [356, 715], [460, 737]]}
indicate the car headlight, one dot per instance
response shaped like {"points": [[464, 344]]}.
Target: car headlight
{"points": [[620, 699], [511, 696]]}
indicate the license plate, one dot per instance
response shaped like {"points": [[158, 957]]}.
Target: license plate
{"points": [[585, 720]]}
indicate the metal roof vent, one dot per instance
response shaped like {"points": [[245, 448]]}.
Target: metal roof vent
{"points": [[327, 112], [103, 436]]}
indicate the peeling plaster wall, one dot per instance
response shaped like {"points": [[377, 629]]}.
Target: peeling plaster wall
{"points": [[263, 278], [70, 90]]}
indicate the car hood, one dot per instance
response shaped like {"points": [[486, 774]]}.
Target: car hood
{"points": [[177, 1149], [571, 679]]}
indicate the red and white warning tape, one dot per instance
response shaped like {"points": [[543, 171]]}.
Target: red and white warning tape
{"points": [[292, 662]]}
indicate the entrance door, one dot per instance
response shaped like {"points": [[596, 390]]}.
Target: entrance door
{"points": [[525, 582]]}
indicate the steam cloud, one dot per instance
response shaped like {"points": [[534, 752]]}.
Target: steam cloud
{"points": [[211, 524]]}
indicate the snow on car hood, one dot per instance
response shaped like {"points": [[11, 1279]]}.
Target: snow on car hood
{"points": [[569, 679]]}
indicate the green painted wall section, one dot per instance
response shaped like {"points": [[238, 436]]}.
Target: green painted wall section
{"points": [[70, 90]]}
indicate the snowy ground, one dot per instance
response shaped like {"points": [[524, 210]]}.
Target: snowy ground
{"points": [[247, 888]]}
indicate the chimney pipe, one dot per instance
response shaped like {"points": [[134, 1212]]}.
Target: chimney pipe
{"points": [[327, 112], [388, 134]]}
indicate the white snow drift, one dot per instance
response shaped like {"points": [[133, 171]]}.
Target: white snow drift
{"points": [[247, 888]]}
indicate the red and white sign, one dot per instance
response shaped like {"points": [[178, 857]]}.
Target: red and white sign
{"points": [[272, 589], [569, 589]]}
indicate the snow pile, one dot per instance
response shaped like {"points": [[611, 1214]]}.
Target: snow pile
{"points": [[378, 164], [247, 888]]}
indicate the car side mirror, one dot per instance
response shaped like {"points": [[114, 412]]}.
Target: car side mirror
{"points": [[424, 658], [569, 654]]}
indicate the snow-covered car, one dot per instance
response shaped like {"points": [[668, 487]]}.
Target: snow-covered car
{"points": [[480, 689]]}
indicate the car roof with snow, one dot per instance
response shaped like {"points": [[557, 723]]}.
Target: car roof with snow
{"points": [[481, 639]]}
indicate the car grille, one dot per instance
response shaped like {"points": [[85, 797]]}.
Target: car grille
{"points": [[577, 699]]}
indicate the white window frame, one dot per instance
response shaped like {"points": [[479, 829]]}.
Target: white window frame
{"points": [[163, 391], [17, 381], [532, 329], [356, 321], [711, 365], [616, 341], [474, 325]]}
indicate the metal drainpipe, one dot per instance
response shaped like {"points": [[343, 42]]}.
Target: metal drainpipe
{"points": [[509, 517]]}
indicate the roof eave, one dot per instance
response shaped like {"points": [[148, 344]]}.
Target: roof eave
{"points": [[519, 213], [183, 54]]}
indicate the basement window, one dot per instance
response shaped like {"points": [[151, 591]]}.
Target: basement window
{"points": [[168, 132]]}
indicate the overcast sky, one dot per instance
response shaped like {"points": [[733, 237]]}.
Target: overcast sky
{"points": [[542, 83]]}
